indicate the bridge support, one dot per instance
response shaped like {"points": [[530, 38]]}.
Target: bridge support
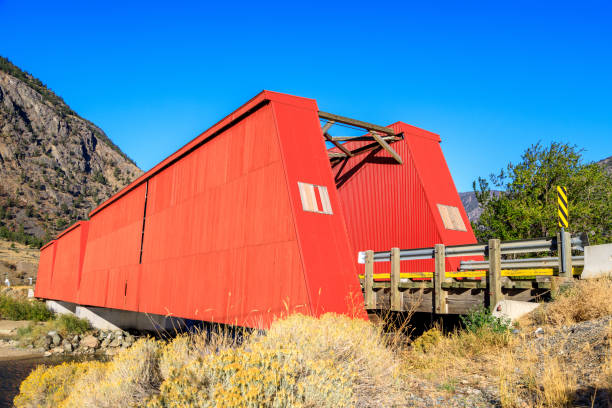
{"points": [[494, 289], [370, 296], [397, 300], [440, 295], [115, 319]]}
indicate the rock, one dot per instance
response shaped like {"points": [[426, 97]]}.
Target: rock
{"points": [[539, 331], [516, 331], [101, 335], [57, 350], [57, 339], [47, 341], [90, 341], [129, 340], [52, 333], [47, 353], [115, 343], [106, 342], [76, 338], [67, 346]]}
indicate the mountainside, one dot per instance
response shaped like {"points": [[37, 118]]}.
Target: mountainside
{"points": [[607, 164], [470, 203], [55, 166]]}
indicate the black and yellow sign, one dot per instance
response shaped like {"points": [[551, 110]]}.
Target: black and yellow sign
{"points": [[562, 210]]}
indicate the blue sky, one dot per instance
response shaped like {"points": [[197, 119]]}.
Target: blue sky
{"points": [[490, 78]]}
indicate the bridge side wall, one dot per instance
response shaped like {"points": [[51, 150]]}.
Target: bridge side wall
{"points": [[330, 274], [45, 270], [70, 250]]}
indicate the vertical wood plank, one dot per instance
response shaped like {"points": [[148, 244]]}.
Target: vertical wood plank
{"points": [[494, 274], [567, 254], [370, 296], [396, 296], [440, 295], [560, 252]]}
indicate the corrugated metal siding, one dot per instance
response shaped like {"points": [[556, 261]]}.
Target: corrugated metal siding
{"points": [[220, 243], [326, 253], [45, 271], [113, 252], [390, 205], [70, 249], [385, 206]]}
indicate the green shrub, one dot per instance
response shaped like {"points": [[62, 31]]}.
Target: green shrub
{"points": [[22, 309], [480, 318], [428, 340], [71, 324]]}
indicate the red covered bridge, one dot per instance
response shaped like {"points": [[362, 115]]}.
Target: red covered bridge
{"points": [[257, 217]]}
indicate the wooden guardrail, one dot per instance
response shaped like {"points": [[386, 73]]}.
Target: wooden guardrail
{"points": [[496, 271]]}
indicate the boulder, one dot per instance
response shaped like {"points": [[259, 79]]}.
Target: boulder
{"points": [[90, 341], [47, 342], [57, 339]]}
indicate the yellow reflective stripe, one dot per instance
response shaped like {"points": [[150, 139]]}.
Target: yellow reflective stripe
{"points": [[562, 219], [474, 274], [562, 207], [562, 192]]}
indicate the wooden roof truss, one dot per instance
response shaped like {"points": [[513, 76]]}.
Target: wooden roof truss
{"points": [[380, 136]]}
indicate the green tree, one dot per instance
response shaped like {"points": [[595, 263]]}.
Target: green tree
{"points": [[527, 206]]}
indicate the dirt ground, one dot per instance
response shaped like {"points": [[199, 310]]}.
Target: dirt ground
{"points": [[18, 262]]}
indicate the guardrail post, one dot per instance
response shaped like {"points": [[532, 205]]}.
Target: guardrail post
{"points": [[566, 238], [396, 295], [370, 296], [494, 274], [439, 297]]}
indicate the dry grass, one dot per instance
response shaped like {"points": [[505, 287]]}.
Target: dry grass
{"points": [[535, 378], [334, 361], [50, 386], [128, 380], [586, 300]]}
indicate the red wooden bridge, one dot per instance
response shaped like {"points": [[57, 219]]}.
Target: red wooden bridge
{"points": [[261, 215]]}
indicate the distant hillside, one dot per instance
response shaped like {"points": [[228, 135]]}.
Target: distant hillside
{"points": [[607, 164], [55, 165], [470, 203]]}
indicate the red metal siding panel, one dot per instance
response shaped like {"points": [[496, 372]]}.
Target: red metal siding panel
{"points": [[45, 271], [113, 252], [217, 219], [385, 205], [391, 205], [326, 254], [438, 182], [70, 249]]}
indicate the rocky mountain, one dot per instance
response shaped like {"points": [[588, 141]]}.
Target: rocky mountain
{"points": [[54, 165], [607, 164], [470, 203]]}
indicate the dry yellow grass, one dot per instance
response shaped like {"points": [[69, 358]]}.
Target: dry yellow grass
{"points": [[333, 361], [586, 300]]}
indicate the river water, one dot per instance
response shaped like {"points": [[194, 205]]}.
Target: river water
{"points": [[13, 372]]}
